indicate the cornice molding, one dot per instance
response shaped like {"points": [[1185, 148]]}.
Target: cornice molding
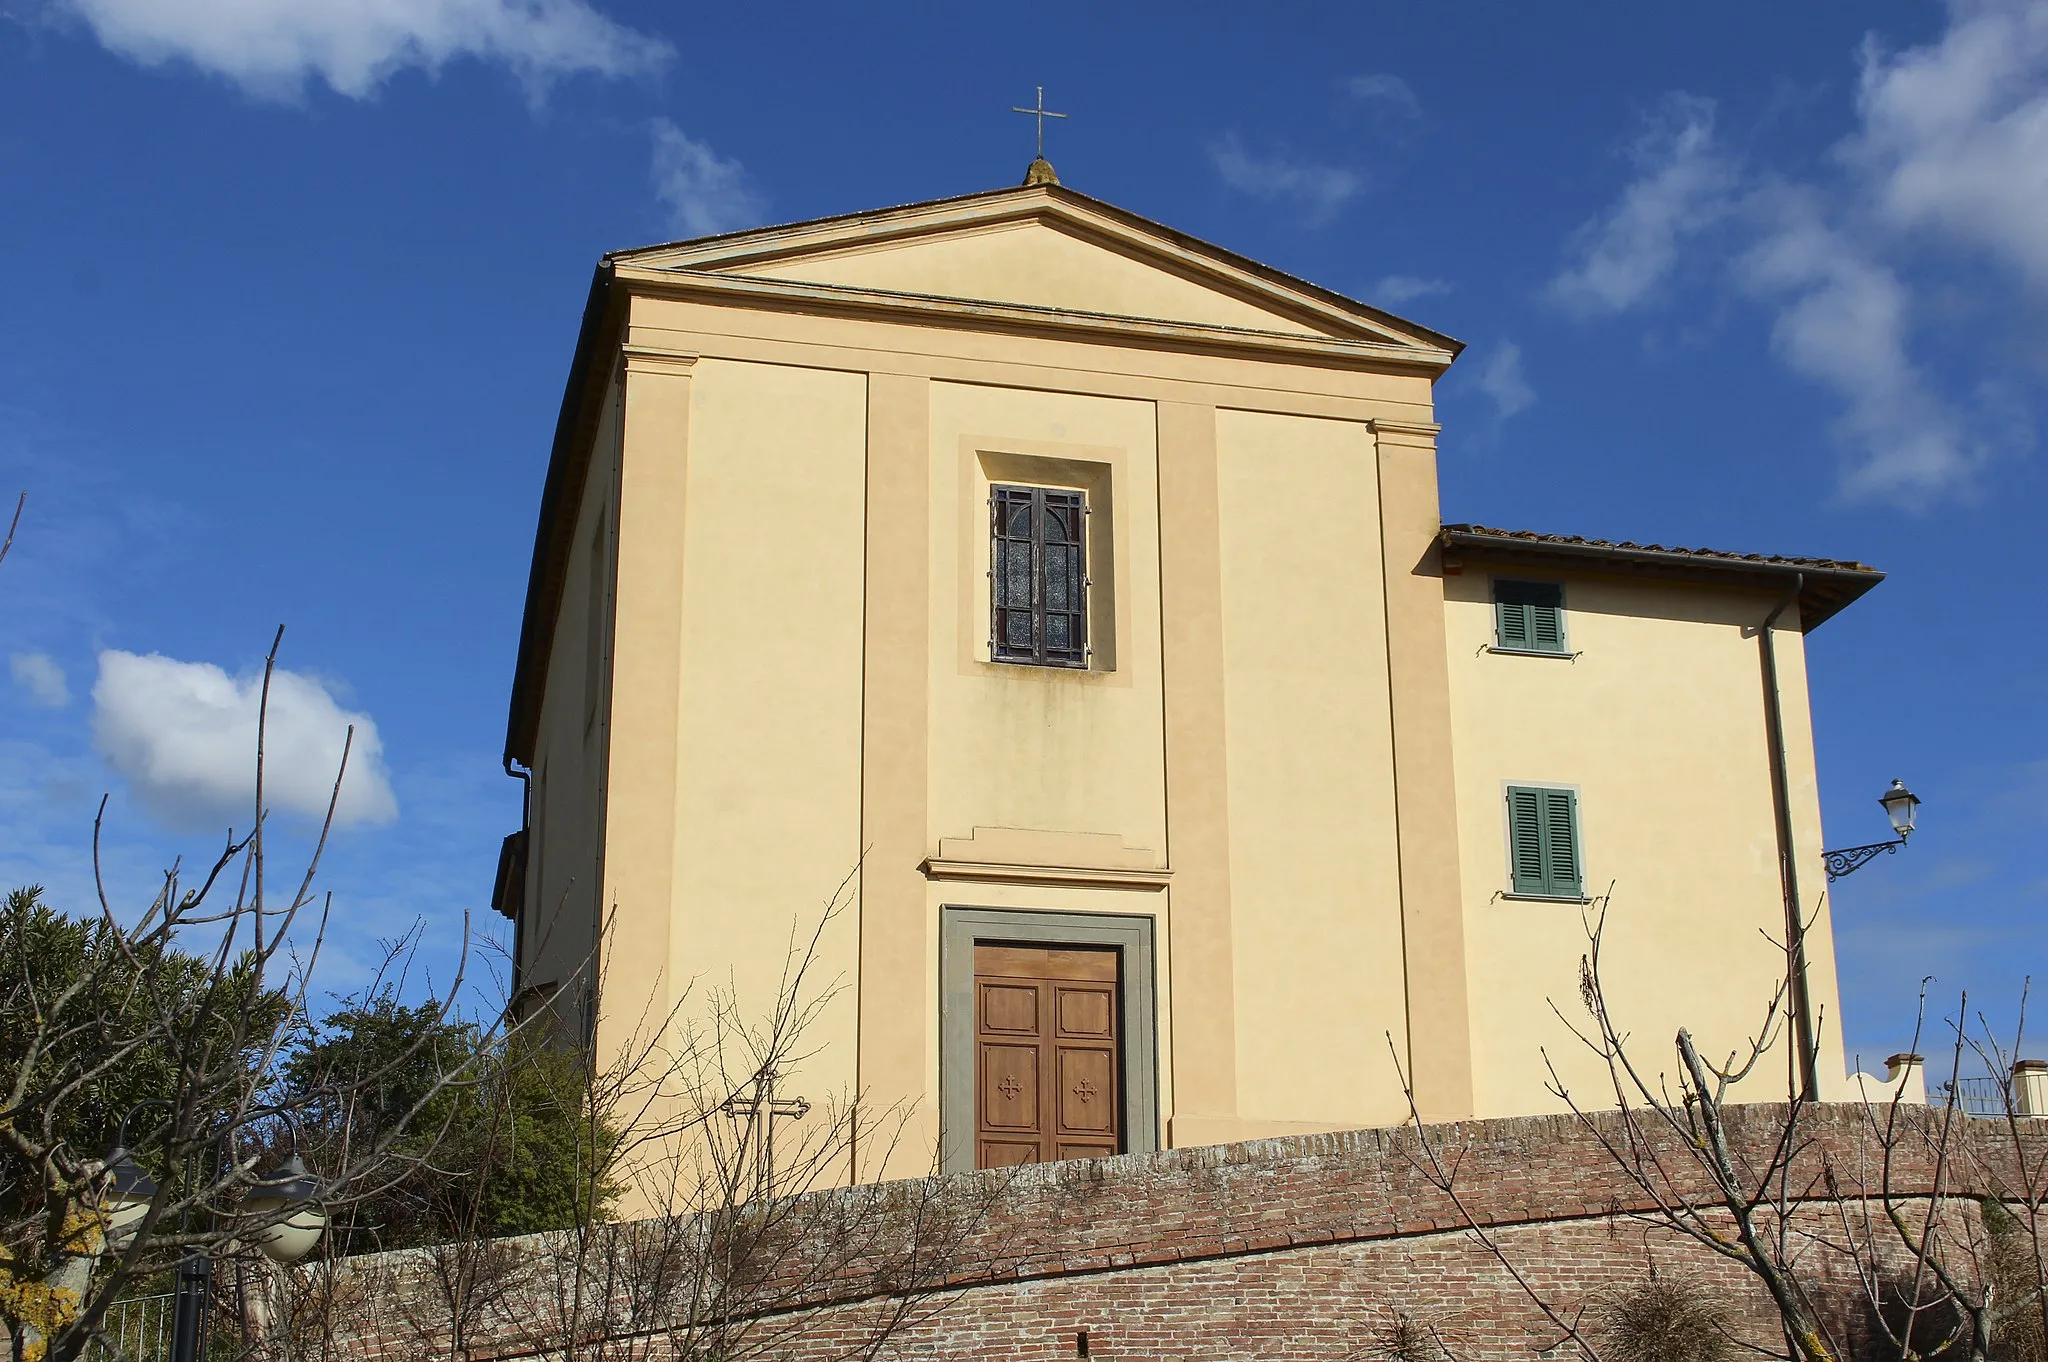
{"points": [[1416, 434], [975, 314], [999, 872], [1056, 208], [651, 359]]}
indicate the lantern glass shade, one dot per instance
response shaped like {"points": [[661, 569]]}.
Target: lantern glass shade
{"points": [[286, 1194], [1901, 806], [129, 1193]]}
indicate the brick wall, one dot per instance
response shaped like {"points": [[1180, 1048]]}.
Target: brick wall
{"points": [[1298, 1248]]}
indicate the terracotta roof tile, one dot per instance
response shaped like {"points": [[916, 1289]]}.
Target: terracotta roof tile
{"points": [[1627, 546]]}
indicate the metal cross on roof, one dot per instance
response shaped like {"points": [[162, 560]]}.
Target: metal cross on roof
{"points": [[1041, 113]]}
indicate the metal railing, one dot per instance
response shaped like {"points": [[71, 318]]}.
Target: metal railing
{"points": [[1975, 1096], [137, 1329]]}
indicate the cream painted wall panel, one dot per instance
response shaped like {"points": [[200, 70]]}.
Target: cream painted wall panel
{"points": [[1315, 889], [1039, 747], [1034, 264], [1659, 722], [568, 806], [768, 781]]}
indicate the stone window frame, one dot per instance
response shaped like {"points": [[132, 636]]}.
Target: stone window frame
{"points": [[961, 927], [1094, 473]]}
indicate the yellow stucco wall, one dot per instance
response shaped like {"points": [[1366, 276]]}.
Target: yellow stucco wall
{"points": [[1658, 722], [1314, 873]]}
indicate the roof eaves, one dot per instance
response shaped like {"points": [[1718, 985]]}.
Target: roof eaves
{"points": [[1827, 585], [560, 500]]}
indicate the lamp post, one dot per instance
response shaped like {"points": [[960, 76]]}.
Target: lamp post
{"points": [[288, 1187], [286, 1198], [1902, 807]]}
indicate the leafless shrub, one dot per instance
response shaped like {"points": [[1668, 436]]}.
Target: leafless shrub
{"points": [[1663, 1318], [1405, 1337], [1893, 1212]]}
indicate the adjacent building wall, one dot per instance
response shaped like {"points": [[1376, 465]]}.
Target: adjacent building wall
{"points": [[1657, 719]]}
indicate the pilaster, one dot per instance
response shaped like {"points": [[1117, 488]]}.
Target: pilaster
{"points": [[1425, 788], [639, 981], [1197, 783], [896, 990]]}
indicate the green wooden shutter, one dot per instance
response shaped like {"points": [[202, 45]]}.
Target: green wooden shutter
{"points": [[1525, 840], [1561, 842], [1530, 616], [1514, 623], [1543, 842]]}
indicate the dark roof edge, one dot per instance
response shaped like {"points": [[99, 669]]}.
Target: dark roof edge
{"points": [[561, 495], [1827, 585]]}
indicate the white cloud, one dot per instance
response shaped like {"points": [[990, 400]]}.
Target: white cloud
{"points": [[272, 47], [1843, 322], [42, 678], [1501, 379], [1319, 190], [1385, 88], [1955, 135], [1396, 289], [183, 735], [1683, 183], [1952, 146], [705, 195]]}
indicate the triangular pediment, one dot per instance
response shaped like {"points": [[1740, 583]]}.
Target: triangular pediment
{"points": [[1040, 247]]}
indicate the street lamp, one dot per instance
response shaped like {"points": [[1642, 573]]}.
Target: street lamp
{"points": [[130, 1190], [288, 1187], [286, 1197], [1902, 807]]}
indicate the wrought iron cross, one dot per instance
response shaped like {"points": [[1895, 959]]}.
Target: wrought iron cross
{"points": [[1041, 113], [760, 1110]]}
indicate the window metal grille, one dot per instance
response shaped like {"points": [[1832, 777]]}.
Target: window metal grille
{"points": [[1038, 582]]}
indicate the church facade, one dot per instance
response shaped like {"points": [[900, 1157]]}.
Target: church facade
{"points": [[1077, 594]]}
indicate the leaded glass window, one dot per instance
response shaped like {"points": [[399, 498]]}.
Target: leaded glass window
{"points": [[1038, 582]]}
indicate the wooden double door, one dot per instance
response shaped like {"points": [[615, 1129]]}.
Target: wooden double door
{"points": [[1048, 1061]]}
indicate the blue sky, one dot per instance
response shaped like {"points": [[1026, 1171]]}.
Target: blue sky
{"points": [[289, 292]]}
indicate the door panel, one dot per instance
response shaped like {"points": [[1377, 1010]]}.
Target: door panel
{"points": [[1008, 1153], [1009, 1088], [1087, 1085], [1048, 1060], [1086, 1012], [1009, 1008]]}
